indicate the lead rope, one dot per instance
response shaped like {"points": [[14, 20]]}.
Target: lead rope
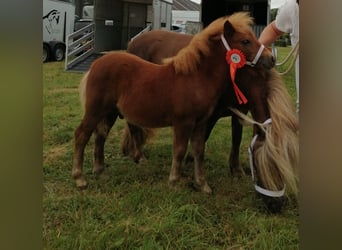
{"points": [[294, 52]]}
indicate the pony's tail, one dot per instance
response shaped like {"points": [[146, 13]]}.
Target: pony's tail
{"points": [[82, 89], [133, 141]]}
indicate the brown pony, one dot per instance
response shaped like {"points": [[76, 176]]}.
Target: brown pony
{"points": [[154, 46], [183, 93]]}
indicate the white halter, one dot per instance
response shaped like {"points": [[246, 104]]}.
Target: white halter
{"points": [[257, 187], [256, 58]]}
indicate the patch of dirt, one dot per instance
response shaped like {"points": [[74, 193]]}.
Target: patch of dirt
{"points": [[55, 153]]}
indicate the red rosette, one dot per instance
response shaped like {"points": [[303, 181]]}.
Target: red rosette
{"points": [[236, 57]]}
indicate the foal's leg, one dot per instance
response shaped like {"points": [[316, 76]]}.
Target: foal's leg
{"points": [[210, 125], [133, 142], [180, 142], [234, 161], [82, 136], [101, 134], [198, 144]]}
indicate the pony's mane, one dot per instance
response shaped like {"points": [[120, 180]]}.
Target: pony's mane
{"points": [[281, 143], [277, 158], [188, 58]]}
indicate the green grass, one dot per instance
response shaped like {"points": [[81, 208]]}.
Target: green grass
{"points": [[132, 207]]}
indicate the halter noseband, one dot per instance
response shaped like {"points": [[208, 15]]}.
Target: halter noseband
{"points": [[256, 58], [251, 163]]}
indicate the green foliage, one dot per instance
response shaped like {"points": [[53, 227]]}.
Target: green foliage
{"points": [[131, 205], [273, 14]]}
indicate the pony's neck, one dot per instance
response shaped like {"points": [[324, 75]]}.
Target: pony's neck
{"points": [[220, 71], [253, 84]]}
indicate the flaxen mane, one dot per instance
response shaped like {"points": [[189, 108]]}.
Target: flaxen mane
{"points": [[284, 150], [188, 58], [278, 155]]}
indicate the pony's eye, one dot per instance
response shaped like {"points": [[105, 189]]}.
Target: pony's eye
{"points": [[245, 42]]}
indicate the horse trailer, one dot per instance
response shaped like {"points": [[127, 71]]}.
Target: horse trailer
{"points": [[58, 23]]}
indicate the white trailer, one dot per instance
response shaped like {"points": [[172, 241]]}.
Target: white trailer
{"points": [[58, 23], [181, 17]]}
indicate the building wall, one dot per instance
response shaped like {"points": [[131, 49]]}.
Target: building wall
{"points": [[181, 17], [117, 21]]}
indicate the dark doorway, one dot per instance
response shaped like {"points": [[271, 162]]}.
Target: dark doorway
{"points": [[108, 25], [134, 21], [212, 10]]}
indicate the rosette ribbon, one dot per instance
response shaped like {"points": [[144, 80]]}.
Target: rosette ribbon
{"points": [[236, 59]]}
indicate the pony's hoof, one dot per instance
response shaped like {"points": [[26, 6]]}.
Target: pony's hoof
{"points": [[174, 178], [140, 159], [98, 170], [174, 185], [81, 183], [204, 188], [237, 173], [173, 182]]}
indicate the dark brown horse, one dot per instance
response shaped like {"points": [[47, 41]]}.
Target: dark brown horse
{"points": [[183, 93], [154, 46]]}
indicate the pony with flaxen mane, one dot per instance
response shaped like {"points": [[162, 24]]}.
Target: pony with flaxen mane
{"points": [[276, 155], [183, 93]]}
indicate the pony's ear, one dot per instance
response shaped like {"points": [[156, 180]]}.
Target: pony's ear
{"points": [[228, 29]]}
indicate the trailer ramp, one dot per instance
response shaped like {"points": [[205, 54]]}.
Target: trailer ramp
{"points": [[80, 52]]}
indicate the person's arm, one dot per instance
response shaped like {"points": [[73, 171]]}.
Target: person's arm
{"points": [[269, 34]]}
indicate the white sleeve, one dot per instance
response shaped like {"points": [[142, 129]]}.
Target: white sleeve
{"points": [[284, 16]]}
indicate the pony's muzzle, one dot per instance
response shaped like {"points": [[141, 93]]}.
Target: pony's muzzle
{"points": [[268, 61], [273, 204], [272, 59]]}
